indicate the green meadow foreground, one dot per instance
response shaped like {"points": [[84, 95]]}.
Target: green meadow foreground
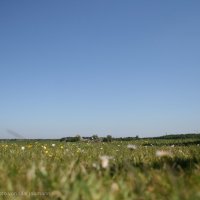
{"points": [[138, 169]]}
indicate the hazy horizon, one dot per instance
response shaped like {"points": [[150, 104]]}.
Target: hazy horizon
{"points": [[123, 68]]}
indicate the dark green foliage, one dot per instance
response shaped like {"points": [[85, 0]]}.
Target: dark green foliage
{"points": [[108, 138]]}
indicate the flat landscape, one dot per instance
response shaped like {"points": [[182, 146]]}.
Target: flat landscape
{"points": [[136, 169]]}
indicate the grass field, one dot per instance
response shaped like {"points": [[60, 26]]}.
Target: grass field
{"points": [[138, 169]]}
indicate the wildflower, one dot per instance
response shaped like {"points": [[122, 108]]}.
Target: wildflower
{"points": [[173, 145], [162, 153], [53, 145], [105, 161], [61, 147], [131, 146], [22, 148]]}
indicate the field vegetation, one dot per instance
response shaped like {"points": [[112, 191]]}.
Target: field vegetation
{"points": [[96, 170]]}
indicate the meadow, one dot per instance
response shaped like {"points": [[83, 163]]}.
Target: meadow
{"points": [[87, 170]]}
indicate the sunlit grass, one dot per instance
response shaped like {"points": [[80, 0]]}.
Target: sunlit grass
{"points": [[140, 169]]}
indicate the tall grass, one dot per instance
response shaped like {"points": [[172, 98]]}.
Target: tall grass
{"points": [[61, 170]]}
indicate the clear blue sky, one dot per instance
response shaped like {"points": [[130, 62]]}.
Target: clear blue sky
{"points": [[102, 67]]}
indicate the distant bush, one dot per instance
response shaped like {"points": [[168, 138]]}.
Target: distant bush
{"points": [[108, 138], [77, 138], [95, 138], [137, 137]]}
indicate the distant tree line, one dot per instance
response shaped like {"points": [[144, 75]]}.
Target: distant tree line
{"points": [[96, 138], [109, 138], [180, 136]]}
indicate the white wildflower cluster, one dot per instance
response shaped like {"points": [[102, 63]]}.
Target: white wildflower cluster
{"points": [[131, 146]]}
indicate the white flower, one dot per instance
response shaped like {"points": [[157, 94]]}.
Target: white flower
{"points": [[162, 153], [173, 145], [131, 146], [105, 161], [22, 148], [53, 145]]}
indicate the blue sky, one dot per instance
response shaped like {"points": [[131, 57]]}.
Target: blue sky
{"points": [[123, 68]]}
